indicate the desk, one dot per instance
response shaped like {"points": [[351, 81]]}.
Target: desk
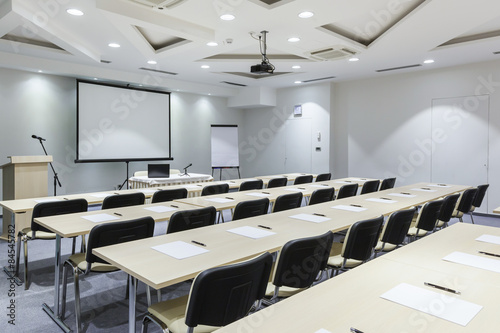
{"points": [[174, 179], [158, 270], [496, 210]]}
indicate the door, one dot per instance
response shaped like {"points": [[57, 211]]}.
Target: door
{"points": [[298, 151]]}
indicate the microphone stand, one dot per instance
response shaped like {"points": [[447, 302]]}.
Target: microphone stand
{"points": [[56, 177], [185, 171]]}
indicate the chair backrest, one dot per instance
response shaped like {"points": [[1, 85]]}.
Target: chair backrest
{"points": [[191, 219], [370, 186], [115, 233], [215, 189], [250, 208], [123, 200], [348, 190], [323, 176], [428, 215], [387, 184], [397, 225], [478, 198], [252, 185], [221, 295], [464, 204], [56, 208], [303, 179], [300, 261], [447, 207], [169, 195], [322, 195], [287, 201], [361, 239], [277, 182]]}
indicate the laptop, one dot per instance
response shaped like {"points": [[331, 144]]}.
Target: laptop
{"points": [[158, 170]]}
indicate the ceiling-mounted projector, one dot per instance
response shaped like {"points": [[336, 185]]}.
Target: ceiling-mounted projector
{"points": [[265, 67]]}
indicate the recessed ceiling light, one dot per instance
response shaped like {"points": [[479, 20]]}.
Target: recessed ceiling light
{"points": [[114, 45], [297, 82], [205, 66], [227, 17], [296, 67], [353, 59], [152, 62], [294, 39], [428, 61], [74, 12], [212, 44], [40, 71], [95, 79], [306, 14]]}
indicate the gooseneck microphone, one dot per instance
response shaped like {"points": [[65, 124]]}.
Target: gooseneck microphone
{"points": [[37, 137]]}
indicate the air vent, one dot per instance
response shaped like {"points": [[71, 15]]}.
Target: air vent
{"points": [[234, 83], [159, 3], [157, 71], [320, 79], [332, 53], [396, 68]]}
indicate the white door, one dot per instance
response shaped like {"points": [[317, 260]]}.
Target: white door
{"points": [[460, 142], [298, 151]]}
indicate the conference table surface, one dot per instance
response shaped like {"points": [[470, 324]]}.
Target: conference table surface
{"points": [[159, 270], [353, 299]]}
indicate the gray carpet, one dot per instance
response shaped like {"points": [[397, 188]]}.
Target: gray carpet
{"points": [[104, 307]]}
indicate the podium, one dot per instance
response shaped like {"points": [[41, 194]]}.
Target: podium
{"points": [[23, 177]]}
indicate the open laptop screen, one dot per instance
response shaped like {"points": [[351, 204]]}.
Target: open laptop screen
{"points": [[158, 170]]}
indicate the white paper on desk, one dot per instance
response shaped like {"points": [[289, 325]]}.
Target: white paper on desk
{"points": [[472, 260], [359, 179], [180, 249], [256, 194], [220, 200], [96, 218], [310, 218], [439, 185], [381, 200], [449, 308], [47, 200], [319, 185], [343, 182], [489, 239], [295, 189], [423, 190], [251, 232], [349, 208], [402, 195], [322, 330], [160, 209], [101, 195], [147, 191], [193, 186]]}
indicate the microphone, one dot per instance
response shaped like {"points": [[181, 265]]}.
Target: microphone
{"points": [[37, 137], [188, 165]]}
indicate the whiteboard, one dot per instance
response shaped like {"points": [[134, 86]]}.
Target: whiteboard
{"points": [[224, 142]]}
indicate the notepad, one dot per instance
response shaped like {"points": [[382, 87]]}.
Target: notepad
{"points": [[47, 200], [439, 185], [179, 249], [349, 208], [322, 330], [96, 218], [446, 307], [310, 218], [319, 185], [342, 182], [256, 194], [402, 195], [381, 200], [251, 232], [160, 209], [100, 195], [295, 189], [220, 200], [423, 190], [359, 179], [472, 260], [489, 239]]}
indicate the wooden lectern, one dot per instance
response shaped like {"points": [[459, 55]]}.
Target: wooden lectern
{"points": [[24, 177]]}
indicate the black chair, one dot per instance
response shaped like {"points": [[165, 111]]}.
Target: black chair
{"points": [[370, 186], [287, 201], [169, 195], [323, 176], [395, 230], [298, 265], [36, 231], [191, 219], [101, 235], [303, 179], [478, 199], [358, 246], [348, 190], [277, 182], [426, 219], [250, 208], [449, 204], [387, 184], [322, 195], [464, 204], [215, 189], [218, 297], [252, 185], [123, 200]]}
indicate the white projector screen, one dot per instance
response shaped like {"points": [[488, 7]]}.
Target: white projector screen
{"points": [[116, 124], [225, 146]]}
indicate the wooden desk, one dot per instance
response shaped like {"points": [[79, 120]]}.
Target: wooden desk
{"points": [[496, 210]]}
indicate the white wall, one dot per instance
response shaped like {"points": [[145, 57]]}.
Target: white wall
{"points": [[389, 122]]}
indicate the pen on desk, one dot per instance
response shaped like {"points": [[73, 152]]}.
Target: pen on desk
{"points": [[356, 205], [229, 198], [198, 243], [355, 330], [442, 288], [425, 188], [318, 214], [489, 254], [441, 184], [174, 206], [405, 193], [65, 198], [266, 192], [265, 227], [385, 198], [118, 214]]}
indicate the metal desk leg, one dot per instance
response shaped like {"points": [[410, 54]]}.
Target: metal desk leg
{"points": [[54, 314], [132, 290], [9, 270]]}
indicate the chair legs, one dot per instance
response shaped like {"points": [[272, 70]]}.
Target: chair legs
{"points": [[471, 217], [21, 237], [149, 318], [76, 283]]}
